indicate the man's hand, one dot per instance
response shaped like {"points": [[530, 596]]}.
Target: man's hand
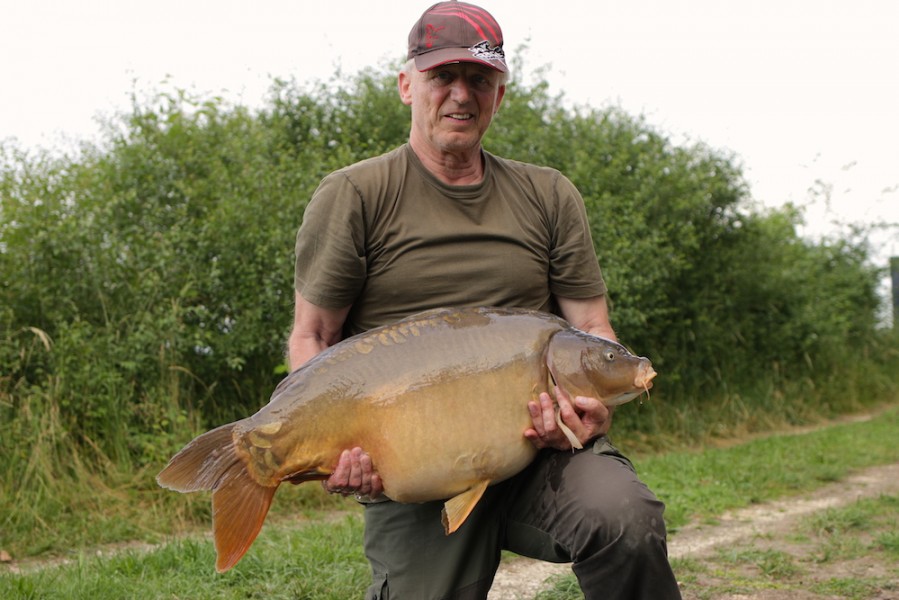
{"points": [[587, 418], [355, 475]]}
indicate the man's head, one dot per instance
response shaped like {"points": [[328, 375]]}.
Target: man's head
{"points": [[451, 32], [454, 79]]}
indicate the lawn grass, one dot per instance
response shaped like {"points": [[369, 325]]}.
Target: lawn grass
{"points": [[844, 552], [316, 560], [323, 560], [706, 482]]}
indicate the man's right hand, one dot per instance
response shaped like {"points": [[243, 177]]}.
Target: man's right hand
{"points": [[354, 475]]}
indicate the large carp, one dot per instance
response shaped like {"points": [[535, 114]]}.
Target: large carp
{"points": [[438, 400]]}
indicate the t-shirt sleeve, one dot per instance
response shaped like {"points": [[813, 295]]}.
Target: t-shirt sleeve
{"points": [[330, 246], [574, 269]]}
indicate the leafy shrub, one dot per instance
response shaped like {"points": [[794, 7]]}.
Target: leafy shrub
{"points": [[147, 281]]}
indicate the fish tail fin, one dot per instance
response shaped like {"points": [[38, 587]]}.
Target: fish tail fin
{"points": [[457, 508], [239, 503], [239, 507], [202, 463]]}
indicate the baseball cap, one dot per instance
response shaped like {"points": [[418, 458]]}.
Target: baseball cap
{"points": [[450, 32]]}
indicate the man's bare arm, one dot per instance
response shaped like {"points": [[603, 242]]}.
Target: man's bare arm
{"points": [[315, 328]]}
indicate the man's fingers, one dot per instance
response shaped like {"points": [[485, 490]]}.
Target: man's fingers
{"points": [[596, 416], [354, 474], [341, 474], [354, 477], [548, 413], [376, 486], [584, 418], [546, 431], [536, 418], [365, 473], [572, 419], [340, 478]]}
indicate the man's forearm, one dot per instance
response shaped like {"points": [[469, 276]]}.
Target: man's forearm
{"points": [[301, 348]]}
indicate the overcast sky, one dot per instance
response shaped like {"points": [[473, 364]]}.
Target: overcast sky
{"points": [[800, 91]]}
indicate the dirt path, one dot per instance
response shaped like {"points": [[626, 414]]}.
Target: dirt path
{"points": [[522, 579]]}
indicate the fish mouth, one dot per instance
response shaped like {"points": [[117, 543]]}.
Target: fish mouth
{"points": [[643, 383], [644, 377], [621, 398]]}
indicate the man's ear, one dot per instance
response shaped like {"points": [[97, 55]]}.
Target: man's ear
{"points": [[499, 98], [404, 86]]}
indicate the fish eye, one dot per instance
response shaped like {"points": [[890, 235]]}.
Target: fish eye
{"points": [[610, 355]]}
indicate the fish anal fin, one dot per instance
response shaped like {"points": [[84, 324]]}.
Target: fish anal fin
{"points": [[239, 507], [457, 508]]}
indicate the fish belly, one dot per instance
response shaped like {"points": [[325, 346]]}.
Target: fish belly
{"points": [[436, 442]]}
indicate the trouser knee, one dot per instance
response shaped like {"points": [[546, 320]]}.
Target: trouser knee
{"points": [[634, 523]]}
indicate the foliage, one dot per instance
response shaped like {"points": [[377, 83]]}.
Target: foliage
{"points": [[146, 281], [736, 292]]}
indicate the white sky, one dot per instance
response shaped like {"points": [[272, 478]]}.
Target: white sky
{"points": [[800, 91]]}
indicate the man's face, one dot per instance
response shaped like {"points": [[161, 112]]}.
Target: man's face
{"points": [[452, 105]]}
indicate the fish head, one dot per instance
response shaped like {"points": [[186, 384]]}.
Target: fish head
{"points": [[589, 365]]}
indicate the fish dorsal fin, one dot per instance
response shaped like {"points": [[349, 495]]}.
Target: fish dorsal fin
{"points": [[239, 507], [457, 508]]}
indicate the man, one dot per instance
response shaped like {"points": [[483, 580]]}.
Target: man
{"points": [[440, 222]]}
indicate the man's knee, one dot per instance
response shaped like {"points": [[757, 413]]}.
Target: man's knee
{"points": [[636, 521], [618, 509]]}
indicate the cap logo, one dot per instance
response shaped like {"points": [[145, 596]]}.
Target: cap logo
{"points": [[483, 51], [431, 35]]}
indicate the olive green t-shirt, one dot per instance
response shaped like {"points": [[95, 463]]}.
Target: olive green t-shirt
{"points": [[387, 237]]}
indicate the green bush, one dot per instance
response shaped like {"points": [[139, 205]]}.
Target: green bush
{"points": [[147, 280]]}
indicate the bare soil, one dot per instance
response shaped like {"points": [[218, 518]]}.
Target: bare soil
{"points": [[761, 528]]}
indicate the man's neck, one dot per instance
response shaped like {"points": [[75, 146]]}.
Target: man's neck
{"points": [[452, 168]]}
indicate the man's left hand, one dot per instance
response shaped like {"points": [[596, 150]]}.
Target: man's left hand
{"points": [[587, 418]]}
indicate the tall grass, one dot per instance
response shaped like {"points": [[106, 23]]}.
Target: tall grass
{"points": [[323, 560], [60, 490], [728, 407]]}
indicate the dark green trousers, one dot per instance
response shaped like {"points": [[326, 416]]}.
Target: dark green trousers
{"points": [[588, 508]]}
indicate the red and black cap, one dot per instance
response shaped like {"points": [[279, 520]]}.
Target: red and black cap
{"points": [[450, 32]]}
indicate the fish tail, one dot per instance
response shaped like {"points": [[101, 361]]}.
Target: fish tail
{"points": [[202, 463], [239, 502], [239, 507]]}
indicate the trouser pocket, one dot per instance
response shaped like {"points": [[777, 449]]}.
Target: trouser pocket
{"points": [[378, 589]]}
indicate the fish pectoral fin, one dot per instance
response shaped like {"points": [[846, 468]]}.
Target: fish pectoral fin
{"points": [[575, 443], [457, 508], [315, 474]]}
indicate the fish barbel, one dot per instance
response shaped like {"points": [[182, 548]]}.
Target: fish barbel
{"points": [[438, 400]]}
